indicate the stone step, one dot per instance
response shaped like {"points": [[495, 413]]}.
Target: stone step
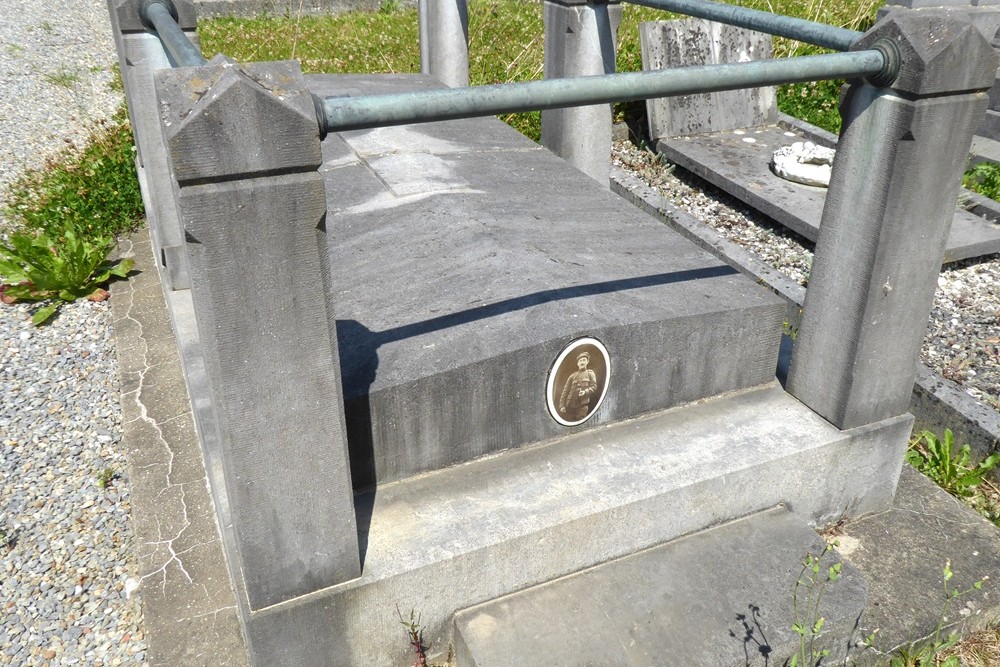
{"points": [[447, 540], [737, 162], [984, 149], [991, 125], [456, 288], [720, 597]]}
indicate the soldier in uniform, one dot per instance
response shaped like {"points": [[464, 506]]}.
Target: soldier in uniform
{"points": [[574, 402]]}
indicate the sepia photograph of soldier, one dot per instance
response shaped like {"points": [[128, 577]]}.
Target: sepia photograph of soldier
{"points": [[577, 381], [574, 403]]}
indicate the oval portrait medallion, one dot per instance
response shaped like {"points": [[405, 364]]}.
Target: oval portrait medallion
{"points": [[578, 381]]}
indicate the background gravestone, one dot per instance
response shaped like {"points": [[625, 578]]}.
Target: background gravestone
{"points": [[688, 42]]}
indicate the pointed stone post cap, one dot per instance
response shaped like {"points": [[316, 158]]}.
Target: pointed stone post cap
{"points": [[224, 120], [937, 53]]}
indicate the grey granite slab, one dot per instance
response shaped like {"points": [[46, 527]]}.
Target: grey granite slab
{"points": [[465, 258], [738, 163]]}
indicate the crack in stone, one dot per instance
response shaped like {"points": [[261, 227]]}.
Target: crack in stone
{"points": [[174, 557], [214, 613], [939, 519], [144, 416]]}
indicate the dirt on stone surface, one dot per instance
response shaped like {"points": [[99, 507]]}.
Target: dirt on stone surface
{"points": [[963, 334]]}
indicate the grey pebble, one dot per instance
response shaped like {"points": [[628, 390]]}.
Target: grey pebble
{"points": [[60, 416]]}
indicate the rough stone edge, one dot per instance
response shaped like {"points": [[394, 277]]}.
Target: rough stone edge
{"points": [[936, 403], [178, 631]]}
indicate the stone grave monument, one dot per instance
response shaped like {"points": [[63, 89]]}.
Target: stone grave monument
{"points": [[435, 368]]}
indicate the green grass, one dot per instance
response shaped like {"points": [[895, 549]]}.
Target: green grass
{"points": [[63, 78], [93, 190], [505, 44]]}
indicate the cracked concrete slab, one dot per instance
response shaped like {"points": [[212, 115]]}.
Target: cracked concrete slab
{"points": [[188, 603], [902, 553]]}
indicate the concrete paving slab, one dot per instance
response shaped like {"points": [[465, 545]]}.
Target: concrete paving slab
{"points": [[187, 600], [720, 597], [902, 552], [738, 163]]}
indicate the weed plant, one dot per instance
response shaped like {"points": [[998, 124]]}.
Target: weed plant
{"points": [[93, 191], [932, 653], [43, 267], [809, 589], [954, 471], [951, 468], [106, 477], [812, 583], [984, 178]]}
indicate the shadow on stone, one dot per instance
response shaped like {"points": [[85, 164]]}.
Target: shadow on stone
{"points": [[359, 347], [754, 640]]}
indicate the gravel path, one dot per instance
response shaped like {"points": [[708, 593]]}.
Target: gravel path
{"points": [[67, 562], [963, 337]]}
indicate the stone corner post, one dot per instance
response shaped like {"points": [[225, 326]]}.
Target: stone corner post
{"points": [[579, 41], [892, 196], [444, 40], [140, 54], [244, 149]]}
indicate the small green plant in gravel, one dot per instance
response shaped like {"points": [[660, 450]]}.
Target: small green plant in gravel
{"points": [[106, 478], [929, 654], [35, 266], [8, 539], [63, 78], [952, 469], [808, 594]]}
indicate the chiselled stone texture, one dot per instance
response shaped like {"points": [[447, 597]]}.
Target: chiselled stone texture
{"points": [[886, 220], [462, 269], [254, 117], [244, 145], [939, 53]]}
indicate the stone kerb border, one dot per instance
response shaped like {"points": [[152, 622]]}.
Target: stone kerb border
{"points": [[936, 403], [140, 55], [244, 150]]}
